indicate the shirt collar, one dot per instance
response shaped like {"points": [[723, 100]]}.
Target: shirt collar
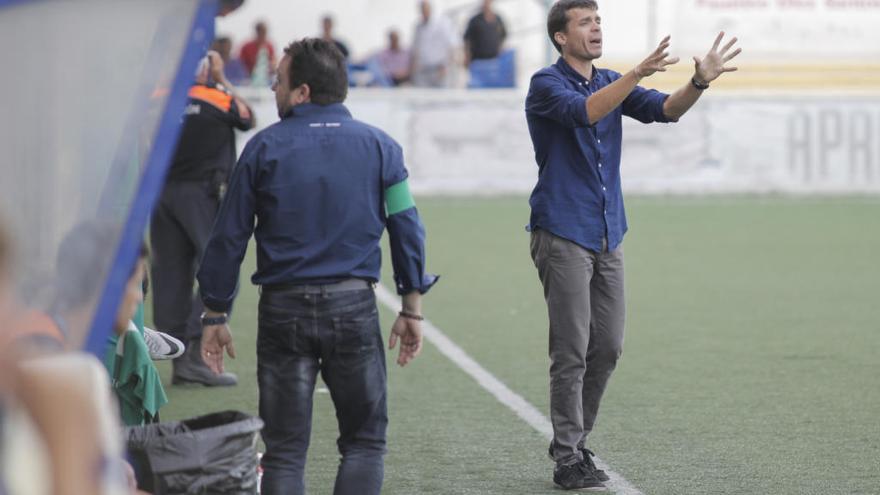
{"points": [[313, 109], [574, 75]]}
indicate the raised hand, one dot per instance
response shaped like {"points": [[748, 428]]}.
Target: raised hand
{"points": [[656, 61], [712, 65], [216, 65]]}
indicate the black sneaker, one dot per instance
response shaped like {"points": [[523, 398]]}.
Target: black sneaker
{"points": [[588, 462], [576, 477]]}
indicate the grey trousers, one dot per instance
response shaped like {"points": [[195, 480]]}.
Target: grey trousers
{"points": [[586, 308]]}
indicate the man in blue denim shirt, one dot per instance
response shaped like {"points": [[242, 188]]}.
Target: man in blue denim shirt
{"points": [[322, 187], [574, 115]]}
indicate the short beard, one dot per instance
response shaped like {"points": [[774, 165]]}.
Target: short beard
{"points": [[283, 111]]}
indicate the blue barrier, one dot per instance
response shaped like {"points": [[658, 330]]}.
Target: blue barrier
{"points": [[498, 72], [369, 73]]}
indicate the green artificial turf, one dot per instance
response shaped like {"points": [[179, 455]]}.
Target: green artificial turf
{"points": [[751, 363]]}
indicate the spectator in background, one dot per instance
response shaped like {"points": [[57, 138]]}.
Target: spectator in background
{"points": [[184, 214], [250, 52], [233, 68], [394, 60], [327, 35], [484, 35], [433, 49]]}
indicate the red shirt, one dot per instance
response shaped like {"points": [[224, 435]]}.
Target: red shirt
{"points": [[251, 49]]}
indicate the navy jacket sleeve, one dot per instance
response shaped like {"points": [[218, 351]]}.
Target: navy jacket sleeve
{"points": [[405, 230], [221, 263], [549, 97], [645, 105]]}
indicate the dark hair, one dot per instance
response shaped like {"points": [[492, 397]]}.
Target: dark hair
{"points": [[557, 19], [321, 66]]}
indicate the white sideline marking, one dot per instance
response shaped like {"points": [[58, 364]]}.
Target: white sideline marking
{"points": [[515, 402]]}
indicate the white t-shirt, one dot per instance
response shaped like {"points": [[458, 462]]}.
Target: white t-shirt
{"points": [[434, 42]]}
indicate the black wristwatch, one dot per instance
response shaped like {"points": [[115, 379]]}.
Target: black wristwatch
{"points": [[209, 321], [699, 85]]}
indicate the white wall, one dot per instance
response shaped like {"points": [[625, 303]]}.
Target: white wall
{"points": [[476, 142]]}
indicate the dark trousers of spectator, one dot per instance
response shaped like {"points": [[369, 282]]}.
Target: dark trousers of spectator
{"points": [[304, 330], [179, 231]]}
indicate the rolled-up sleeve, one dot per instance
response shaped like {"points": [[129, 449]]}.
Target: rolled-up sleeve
{"points": [[550, 98], [221, 263], [646, 105], [406, 232]]}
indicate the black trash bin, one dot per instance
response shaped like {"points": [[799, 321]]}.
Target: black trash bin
{"points": [[213, 454]]}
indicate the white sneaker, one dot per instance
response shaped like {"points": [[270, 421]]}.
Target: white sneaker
{"points": [[161, 345]]}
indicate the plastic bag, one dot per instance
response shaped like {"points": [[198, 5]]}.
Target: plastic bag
{"points": [[215, 454]]}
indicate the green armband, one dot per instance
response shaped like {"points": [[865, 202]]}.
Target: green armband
{"points": [[398, 198]]}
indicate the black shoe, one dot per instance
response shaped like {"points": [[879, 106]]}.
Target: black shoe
{"points": [[588, 462], [576, 476], [189, 368]]}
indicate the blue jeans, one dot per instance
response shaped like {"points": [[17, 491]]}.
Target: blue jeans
{"points": [[336, 333]]}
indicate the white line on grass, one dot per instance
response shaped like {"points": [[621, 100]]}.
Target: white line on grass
{"points": [[515, 402]]}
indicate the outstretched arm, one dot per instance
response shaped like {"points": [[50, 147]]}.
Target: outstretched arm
{"points": [[706, 70], [549, 97], [604, 101]]}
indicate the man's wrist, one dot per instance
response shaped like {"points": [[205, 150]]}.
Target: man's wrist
{"points": [[211, 318], [635, 72], [699, 83], [410, 315]]}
